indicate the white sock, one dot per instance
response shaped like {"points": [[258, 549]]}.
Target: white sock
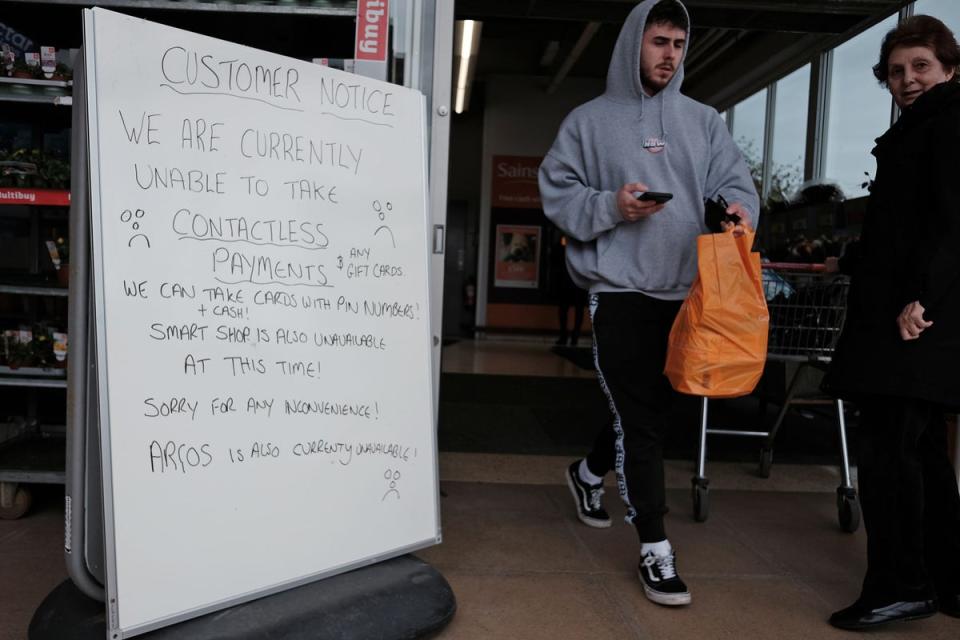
{"points": [[661, 548], [586, 475]]}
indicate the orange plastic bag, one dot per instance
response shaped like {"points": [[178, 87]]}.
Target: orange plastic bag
{"points": [[718, 343]]}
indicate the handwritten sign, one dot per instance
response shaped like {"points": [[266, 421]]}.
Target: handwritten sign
{"points": [[260, 260]]}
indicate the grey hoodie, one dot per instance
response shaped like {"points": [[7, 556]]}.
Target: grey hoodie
{"points": [[601, 147]]}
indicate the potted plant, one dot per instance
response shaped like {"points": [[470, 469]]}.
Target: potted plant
{"points": [[59, 250], [22, 71], [59, 340], [36, 179], [63, 72], [63, 273], [7, 60], [19, 354], [41, 348], [54, 172], [16, 173]]}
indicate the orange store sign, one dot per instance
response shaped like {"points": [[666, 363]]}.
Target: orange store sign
{"points": [[514, 183]]}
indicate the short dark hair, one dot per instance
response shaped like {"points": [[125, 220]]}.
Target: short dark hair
{"points": [[668, 12], [920, 31]]}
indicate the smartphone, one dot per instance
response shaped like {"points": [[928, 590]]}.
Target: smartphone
{"points": [[657, 196], [731, 217], [715, 212]]}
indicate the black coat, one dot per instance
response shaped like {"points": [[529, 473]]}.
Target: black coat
{"points": [[909, 250]]}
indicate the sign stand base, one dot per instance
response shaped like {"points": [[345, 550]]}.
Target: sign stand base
{"points": [[399, 598]]}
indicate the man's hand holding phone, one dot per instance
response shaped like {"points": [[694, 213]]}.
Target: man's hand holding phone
{"points": [[633, 208]]}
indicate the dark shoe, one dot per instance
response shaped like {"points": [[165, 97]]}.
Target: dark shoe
{"points": [[950, 604], [587, 498], [859, 616], [658, 574]]}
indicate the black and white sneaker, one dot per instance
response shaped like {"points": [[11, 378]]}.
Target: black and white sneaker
{"points": [[587, 498], [660, 580]]}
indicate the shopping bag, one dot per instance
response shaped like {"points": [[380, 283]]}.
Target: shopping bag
{"points": [[718, 343]]}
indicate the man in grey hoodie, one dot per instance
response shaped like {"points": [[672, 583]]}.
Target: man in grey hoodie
{"points": [[638, 257]]}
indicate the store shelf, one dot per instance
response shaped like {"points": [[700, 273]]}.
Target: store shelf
{"points": [[33, 377], [33, 291], [33, 383], [347, 8], [12, 96], [34, 372], [56, 92], [17, 196], [30, 82], [37, 458]]}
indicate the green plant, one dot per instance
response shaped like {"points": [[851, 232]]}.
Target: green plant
{"points": [[784, 178], [41, 349], [32, 168], [18, 353], [62, 72], [63, 249], [56, 172], [22, 70]]}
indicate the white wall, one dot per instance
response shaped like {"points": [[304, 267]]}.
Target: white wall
{"points": [[520, 119]]}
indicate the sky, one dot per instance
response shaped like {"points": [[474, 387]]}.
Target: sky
{"points": [[859, 110]]}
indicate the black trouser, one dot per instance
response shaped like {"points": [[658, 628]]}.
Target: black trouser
{"points": [[911, 506], [630, 347]]}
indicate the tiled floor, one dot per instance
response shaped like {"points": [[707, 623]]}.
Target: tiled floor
{"points": [[31, 561], [765, 565], [769, 563], [527, 357]]}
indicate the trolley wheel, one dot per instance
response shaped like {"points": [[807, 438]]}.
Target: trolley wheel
{"points": [[701, 500], [848, 509], [766, 462], [22, 500]]}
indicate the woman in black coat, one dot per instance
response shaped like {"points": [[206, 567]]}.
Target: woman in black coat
{"points": [[899, 354]]}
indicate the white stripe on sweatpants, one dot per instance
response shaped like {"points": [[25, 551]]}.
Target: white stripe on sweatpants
{"points": [[617, 425]]}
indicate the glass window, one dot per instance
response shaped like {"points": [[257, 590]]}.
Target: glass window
{"points": [[947, 10], [859, 110], [789, 134], [749, 117]]}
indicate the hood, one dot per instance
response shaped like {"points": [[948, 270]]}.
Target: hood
{"points": [[623, 76]]}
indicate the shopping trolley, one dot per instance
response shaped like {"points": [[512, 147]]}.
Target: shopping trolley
{"points": [[807, 308]]}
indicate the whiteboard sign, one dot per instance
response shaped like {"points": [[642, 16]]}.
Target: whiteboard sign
{"points": [[260, 258]]}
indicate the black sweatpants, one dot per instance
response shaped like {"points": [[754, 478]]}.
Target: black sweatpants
{"points": [[911, 506], [630, 347]]}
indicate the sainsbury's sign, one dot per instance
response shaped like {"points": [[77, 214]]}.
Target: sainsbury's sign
{"points": [[514, 183], [372, 30]]}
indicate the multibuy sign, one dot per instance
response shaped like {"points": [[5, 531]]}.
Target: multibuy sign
{"points": [[35, 197], [372, 30]]}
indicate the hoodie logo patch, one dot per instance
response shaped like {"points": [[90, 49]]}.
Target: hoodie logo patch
{"points": [[654, 145]]}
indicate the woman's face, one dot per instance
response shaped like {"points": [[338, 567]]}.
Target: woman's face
{"points": [[912, 71]]}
